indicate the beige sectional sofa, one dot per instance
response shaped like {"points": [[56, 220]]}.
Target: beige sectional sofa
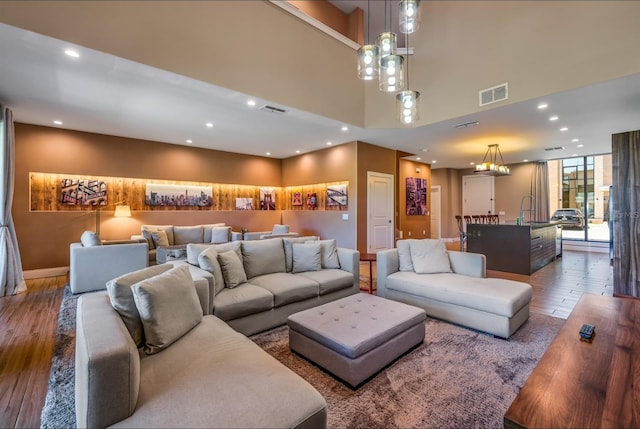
{"points": [[452, 286]]}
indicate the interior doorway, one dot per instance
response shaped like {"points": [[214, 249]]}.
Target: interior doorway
{"points": [[436, 212], [380, 209]]}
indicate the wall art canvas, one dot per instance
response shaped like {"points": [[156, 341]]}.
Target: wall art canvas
{"points": [[80, 192], [312, 201], [337, 195], [244, 203], [296, 197], [178, 195], [416, 196], [267, 199]]}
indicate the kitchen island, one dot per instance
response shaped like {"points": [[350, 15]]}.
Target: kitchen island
{"points": [[521, 249]]}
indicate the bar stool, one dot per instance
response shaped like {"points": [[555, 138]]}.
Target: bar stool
{"points": [[467, 219], [461, 233], [476, 218]]}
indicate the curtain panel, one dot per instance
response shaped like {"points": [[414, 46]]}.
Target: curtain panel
{"points": [[540, 191], [11, 276]]}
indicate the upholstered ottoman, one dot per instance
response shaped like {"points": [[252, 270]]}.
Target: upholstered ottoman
{"points": [[357, 336]]}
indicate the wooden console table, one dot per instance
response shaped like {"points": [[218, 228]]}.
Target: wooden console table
{"points": [[586, 385]]}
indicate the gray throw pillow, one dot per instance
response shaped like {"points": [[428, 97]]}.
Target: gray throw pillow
{"points": [[160, 238], [280, 229], [404, 255], [146, 233], [307, 257], [220, 234], [90, 239], [288, 249], [208, 261], [121, 297], [263, 257], [232, 269], [429, 256], [169, 307], [329, 253]]}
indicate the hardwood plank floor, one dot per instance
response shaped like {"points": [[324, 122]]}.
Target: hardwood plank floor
{"points": [[28, 324]]}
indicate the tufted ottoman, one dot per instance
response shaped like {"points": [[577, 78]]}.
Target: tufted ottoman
{"points": [[357, 336]]}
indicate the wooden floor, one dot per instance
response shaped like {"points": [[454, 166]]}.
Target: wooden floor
{"points": [[28, 323]]}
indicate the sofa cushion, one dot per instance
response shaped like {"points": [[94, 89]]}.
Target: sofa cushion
{"points": [[330, 280], [329, 254], [187, 234], [306, 257], [241, 301], [288, 249], [168, 229], [206, 231], [280, 229], [169, 307], [429, 256], [122, 300], [232, 269], [497, 296], [287, 288], [220, 234], [160, 238], [404, 255], [90, 239], [209, 261], [263, 257]]}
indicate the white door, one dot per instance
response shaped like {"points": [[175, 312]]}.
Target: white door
{"points": [[477, 195], [379, 211], [436, 215]]}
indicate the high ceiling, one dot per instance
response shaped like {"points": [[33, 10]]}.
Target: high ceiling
{"points": [[101, 93]]}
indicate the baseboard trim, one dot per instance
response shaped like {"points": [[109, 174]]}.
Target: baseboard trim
{"points": [[585, 246], [45, 272]]}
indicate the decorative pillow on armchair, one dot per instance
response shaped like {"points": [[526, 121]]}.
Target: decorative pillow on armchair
{"points": [[429, 256]]}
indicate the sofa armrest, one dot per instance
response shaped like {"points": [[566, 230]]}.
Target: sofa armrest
{"points": [[236, 236], [469, 264], [283, 235], [131, 241], [350, 261], [107, 367], [387, 263]]}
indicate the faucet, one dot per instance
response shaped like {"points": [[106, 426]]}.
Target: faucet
{"points": [[531, 210]]}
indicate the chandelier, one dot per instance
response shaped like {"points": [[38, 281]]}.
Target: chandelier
{"points": [[490, 165]]}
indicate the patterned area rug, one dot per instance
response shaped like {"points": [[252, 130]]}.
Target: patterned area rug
{"points": [[456, 378]]}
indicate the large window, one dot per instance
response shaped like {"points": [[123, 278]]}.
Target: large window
{"points": [[579, 197]]}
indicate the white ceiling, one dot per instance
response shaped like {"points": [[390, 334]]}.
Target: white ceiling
{"points": [[105, 94]]}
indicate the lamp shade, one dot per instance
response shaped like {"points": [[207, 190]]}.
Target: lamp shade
{"points": [[368, 62], [391, 77], [122, 211], [409, 16], [407, 107], [387, 43]]}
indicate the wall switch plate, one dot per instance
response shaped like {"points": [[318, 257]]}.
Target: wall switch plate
{"points": [[345, 216], [502, 213], [409, 233]]}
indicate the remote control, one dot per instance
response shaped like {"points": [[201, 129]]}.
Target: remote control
{"points": [[587, 332]]}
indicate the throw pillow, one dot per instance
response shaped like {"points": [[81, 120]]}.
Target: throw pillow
{"points": [[306, 257], [263, 257], [146, 233], [329, 253], [288, 250], [280, 229], [89, 239], [208, 261], [160, 238], [232, 269], [220, 234], [121, 297], [169, 307], [429, 256], [206, 230], [404, 255]]}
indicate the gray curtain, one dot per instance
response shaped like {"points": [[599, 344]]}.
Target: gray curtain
{"points": [[540, 191], [11, 277]]}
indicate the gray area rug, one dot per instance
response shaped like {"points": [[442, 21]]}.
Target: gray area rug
{"points": [[456, 378]]}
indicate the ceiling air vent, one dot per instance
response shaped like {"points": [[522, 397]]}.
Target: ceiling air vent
{"points": [[272, 109], [495, 94], [548, 149]]}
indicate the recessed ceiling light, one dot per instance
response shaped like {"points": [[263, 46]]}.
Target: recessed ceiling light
{"points": [[575, 140], [575, 154], [425, 150], [72, 53], [57, 122], [344, 128], [251, 103], [434, 161], [418, 158], [472, 163], [564, 129], [297, 151], [209, 125], [553, 118], [580, 145], [268, 153], [525, 160], [189, 141], [329, 143], [542, 106]]}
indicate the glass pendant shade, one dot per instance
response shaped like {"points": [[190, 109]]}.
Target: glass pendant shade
{"points": [[387, 44], [368, 62], [391, 77], [409, 16], [407, 107]]}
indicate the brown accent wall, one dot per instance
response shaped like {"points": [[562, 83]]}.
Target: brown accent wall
{"points": [[414, 226], [44, 237], [349, 25]]}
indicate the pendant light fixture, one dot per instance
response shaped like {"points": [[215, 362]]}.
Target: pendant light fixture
{"points": [[407, 101], [391, 74], [409, 16], [368, 56]]}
